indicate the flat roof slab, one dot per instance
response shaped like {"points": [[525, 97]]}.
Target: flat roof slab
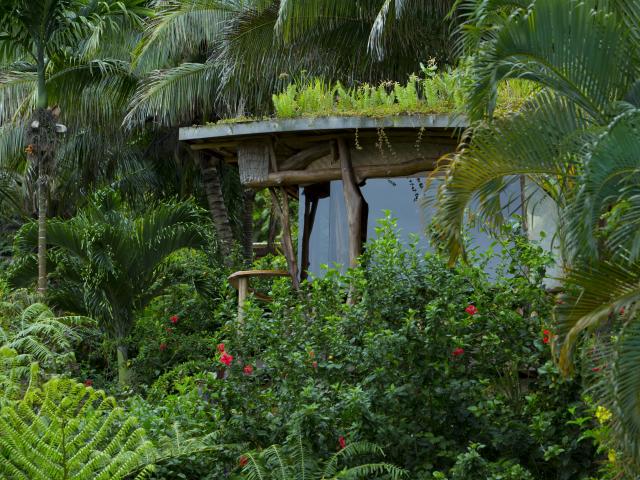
{"points": [[320, 124]]}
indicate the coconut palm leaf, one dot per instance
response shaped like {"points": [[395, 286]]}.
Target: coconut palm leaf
{"points": [[610, 177], [541, 142], [594, 43]]}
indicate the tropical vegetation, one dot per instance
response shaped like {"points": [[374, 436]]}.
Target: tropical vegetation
{"points": [[121, 351]]}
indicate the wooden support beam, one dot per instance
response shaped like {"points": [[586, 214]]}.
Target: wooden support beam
{"points": [[310, 208], [357, 208], [282, 210], [362, 172], [303, 158]]}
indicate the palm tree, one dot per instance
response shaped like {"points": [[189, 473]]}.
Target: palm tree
{"points": [[113, 259], [577, 140], [35, 38]]}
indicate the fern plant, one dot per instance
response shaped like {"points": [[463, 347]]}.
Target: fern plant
{"points": [[33, 335], [64, 430], [294, 461]]}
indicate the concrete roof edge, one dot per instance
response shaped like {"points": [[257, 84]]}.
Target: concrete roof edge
{"points": [[302, 124]]}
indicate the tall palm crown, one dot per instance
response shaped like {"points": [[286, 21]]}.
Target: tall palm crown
{"points": [[577, 140], [73, 55]]}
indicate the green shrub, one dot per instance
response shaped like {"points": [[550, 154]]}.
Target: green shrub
{"points": [[409, 366]]}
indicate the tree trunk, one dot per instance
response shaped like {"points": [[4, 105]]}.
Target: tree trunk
{"points": [[249, 196], [42, 193], [217, 208], [41, 138], [41, 144], [124, 376]]}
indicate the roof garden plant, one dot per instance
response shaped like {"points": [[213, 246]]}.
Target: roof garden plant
{"points": [[431, 91]]}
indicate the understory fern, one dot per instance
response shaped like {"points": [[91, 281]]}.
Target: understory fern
{"points": [[294, 461], [33, 339], [65, 430]]}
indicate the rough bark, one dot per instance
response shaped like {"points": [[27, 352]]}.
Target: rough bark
{"points": [[215, 199], [249, 196], [357, 208], [282, 209]]}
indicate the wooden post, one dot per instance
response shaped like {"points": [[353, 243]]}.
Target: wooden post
{"points": [[357, 208], [287, 242], [310, 208], [283, 213], [243, 291]]}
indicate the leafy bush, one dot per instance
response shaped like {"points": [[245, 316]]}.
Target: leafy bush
{"points": [[427, 361]]}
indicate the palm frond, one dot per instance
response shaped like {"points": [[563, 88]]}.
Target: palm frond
{"points": [[540, 142], [594, 43], [175, 96], [181, 28], [609, 178]]}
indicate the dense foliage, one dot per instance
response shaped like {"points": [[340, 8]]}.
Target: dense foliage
{"points": [[447, 370], [412, 365]]}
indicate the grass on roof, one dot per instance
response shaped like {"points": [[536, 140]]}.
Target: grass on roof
{"points": [[441, 92], [433, 92]]}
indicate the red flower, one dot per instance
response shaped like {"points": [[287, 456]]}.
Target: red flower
{"points": [[248, 369], [163, 347], [243, 461], [220, 347], [314, 364], [621, 310], [88, 382], [174, 319], [226, 358], [471, 309], [546, 336], [342, 442], [595, 369], [457, 352]]}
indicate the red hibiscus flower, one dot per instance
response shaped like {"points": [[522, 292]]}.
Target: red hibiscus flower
{"points": [[248, 369], [163, 347], [457, 352], [342, 442], [314, 364], [88, 382], [546, 336], [226, 358], [471, 309], [174, 319], [220, 347], [243, 461]]}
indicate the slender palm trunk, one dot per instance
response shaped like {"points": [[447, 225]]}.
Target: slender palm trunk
{"points": [[217, 208], [124, 376], [42, 193], [42, 130]]}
